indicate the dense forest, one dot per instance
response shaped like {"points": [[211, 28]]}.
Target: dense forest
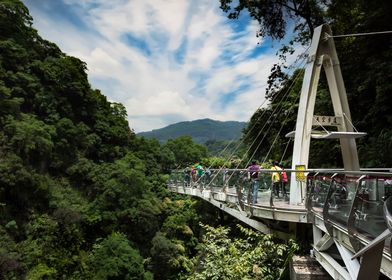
{"points": [[82, 197]]}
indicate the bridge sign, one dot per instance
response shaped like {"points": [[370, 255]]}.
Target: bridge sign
{"points": [[326, 120], [300, 176]]}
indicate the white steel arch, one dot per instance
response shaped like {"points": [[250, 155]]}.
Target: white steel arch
{"points": [[322, 55]]}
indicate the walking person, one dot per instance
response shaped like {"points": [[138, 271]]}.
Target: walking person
{"points": [[207, 175], [284, 180], [193, 174], [187, 177], [253, 174], [200, 171], [276, 178], [199, 174]]}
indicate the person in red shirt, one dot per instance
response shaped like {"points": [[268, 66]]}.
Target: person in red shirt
{"points": [[284, 180]]}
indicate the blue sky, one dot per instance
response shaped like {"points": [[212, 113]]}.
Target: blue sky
{"points": [[166, 60]]}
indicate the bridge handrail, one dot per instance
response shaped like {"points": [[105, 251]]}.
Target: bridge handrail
{"points": [[351, 198], [311, 170]]}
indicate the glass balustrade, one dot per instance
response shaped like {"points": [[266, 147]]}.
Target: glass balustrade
{"points": [[252, 191], [353, 201], [217, 181], [368, 211], [263, 194], [341, 197], [176, 178], [319, 191]]}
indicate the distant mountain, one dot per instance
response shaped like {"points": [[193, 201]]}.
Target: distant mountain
{"points": [[200, 130]]}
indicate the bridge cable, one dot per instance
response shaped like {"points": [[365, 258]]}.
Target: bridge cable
{"points": [[350, 122], [303, 57], [285, 150], [281, 101], [232, 140], [230, 157], [277, 135], [272, 114], [276, 96], [323, 126], [294, 82], [264, 112], [358, 34], [270, 126]]}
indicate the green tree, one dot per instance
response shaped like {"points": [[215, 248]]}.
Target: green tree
{"points": [[256, 256], [275, 16], [164, 254], [185, 150], [31, 139], [52, 245], [115, 258], [11, 265]]}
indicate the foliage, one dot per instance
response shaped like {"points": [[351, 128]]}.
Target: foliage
{"points": [[274, 16], [11, 265], [30, 139], [225, 148], [114, 258], [215, 162], [81, 197], [185, 151], [256, 256], [72, 171], [165, 255]]}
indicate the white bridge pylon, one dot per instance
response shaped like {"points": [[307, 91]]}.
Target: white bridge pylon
{"points": [[322, 54]]}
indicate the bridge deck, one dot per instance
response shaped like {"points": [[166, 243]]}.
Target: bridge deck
{"points": [[345, 209]]}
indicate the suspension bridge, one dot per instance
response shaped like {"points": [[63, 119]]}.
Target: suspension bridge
{"points": [[346, 214]]}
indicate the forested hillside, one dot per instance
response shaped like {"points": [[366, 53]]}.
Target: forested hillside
{"points": [[220, 138], [200, 130], [81, 197]]}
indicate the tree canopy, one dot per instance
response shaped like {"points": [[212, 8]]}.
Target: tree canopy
{"points": [[81, 197]]}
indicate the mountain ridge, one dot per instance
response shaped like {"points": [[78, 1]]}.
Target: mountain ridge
{"points": [[201, 130]]}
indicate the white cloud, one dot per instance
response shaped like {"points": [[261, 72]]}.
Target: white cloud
{"points": [[157, 88], [165, 102]]}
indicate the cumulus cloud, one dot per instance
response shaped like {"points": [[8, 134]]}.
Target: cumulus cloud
{"points": [[166, 61]]}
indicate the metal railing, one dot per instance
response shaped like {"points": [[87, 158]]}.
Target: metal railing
{"points": [[353, 199], [251, 191]]}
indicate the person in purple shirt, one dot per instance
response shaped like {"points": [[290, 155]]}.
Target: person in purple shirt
{"points": [[253, 175]]}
